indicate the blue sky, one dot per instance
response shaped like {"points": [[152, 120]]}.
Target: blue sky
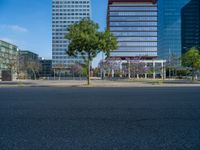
{"points": [[27, 23]]}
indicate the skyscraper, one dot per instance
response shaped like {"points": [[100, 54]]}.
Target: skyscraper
{"points": [[134, 23], [169, 27], [191, 25], [66, 13]]}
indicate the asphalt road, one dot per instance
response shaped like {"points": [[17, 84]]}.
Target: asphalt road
{"points": [[99, 118]]}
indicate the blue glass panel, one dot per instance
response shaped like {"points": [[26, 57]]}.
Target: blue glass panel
{"points": [[133, 8]]}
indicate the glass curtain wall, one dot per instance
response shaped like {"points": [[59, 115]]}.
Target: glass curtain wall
{"points": [[169, 27], [135, 26]]}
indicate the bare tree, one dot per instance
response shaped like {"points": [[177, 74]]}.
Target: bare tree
{"points": [[134, 67], [111, 66], [34, 66], [59, 68], [103, 67], [114, 67], [12, 63], [172, 64], [76, 70]]}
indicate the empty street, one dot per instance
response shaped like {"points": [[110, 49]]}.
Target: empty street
{"points": [[50, 118]]}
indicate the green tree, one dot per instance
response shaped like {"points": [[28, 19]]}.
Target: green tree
{"points": [[85, 39], [192, 59]]}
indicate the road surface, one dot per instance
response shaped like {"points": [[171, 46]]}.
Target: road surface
{"points": [[47, 118]]}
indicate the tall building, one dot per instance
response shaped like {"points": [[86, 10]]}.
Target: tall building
{"points": [[66, 13], [8, 57], [169, 27], [134, 23], [191, 25]]}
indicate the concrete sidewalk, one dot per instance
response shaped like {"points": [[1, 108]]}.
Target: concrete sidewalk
{"points": [[100, 83]]}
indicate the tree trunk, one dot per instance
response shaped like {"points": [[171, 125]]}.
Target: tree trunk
{"points": [[34, 74], [88, 72], [59, 74], [129, 70], [192, 74], [54, 74]]}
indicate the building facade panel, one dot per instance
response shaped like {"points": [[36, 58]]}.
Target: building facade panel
{"points": [[190, 16], [134, 23], [8, 57], [169, 27], [46, 68], [64, 14], [28, 64]]}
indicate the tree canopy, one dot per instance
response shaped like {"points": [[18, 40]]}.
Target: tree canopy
{"points": [[85, 40], [191, 59]]}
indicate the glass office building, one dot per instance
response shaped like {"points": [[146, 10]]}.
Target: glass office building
{"points": [[46, 68], [28, 62], [191, 25], [169, 27], [64, 14], [134, 23], [8, 56]]}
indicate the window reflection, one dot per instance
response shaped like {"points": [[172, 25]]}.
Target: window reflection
{"points": [[133, 8], [135, 33], [133, 28], [133, 23], [132, 13], [137, 43]]}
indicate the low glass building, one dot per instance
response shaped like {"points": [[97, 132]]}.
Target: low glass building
{"points": [[8, 57], [46, 68], [29, 64]]}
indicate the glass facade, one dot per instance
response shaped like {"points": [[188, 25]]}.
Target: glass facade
{"points": [[134, 23], [8, 56], [28, 60], [137, 39], [169, 27], [137, 34], [130, 43], [131, 54], [46, 68], [8, 52], [191, 25], [119, 18], [146, 13], [141, 24], [130, 48], [133, 8], [133, 29], [65, 13]]}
